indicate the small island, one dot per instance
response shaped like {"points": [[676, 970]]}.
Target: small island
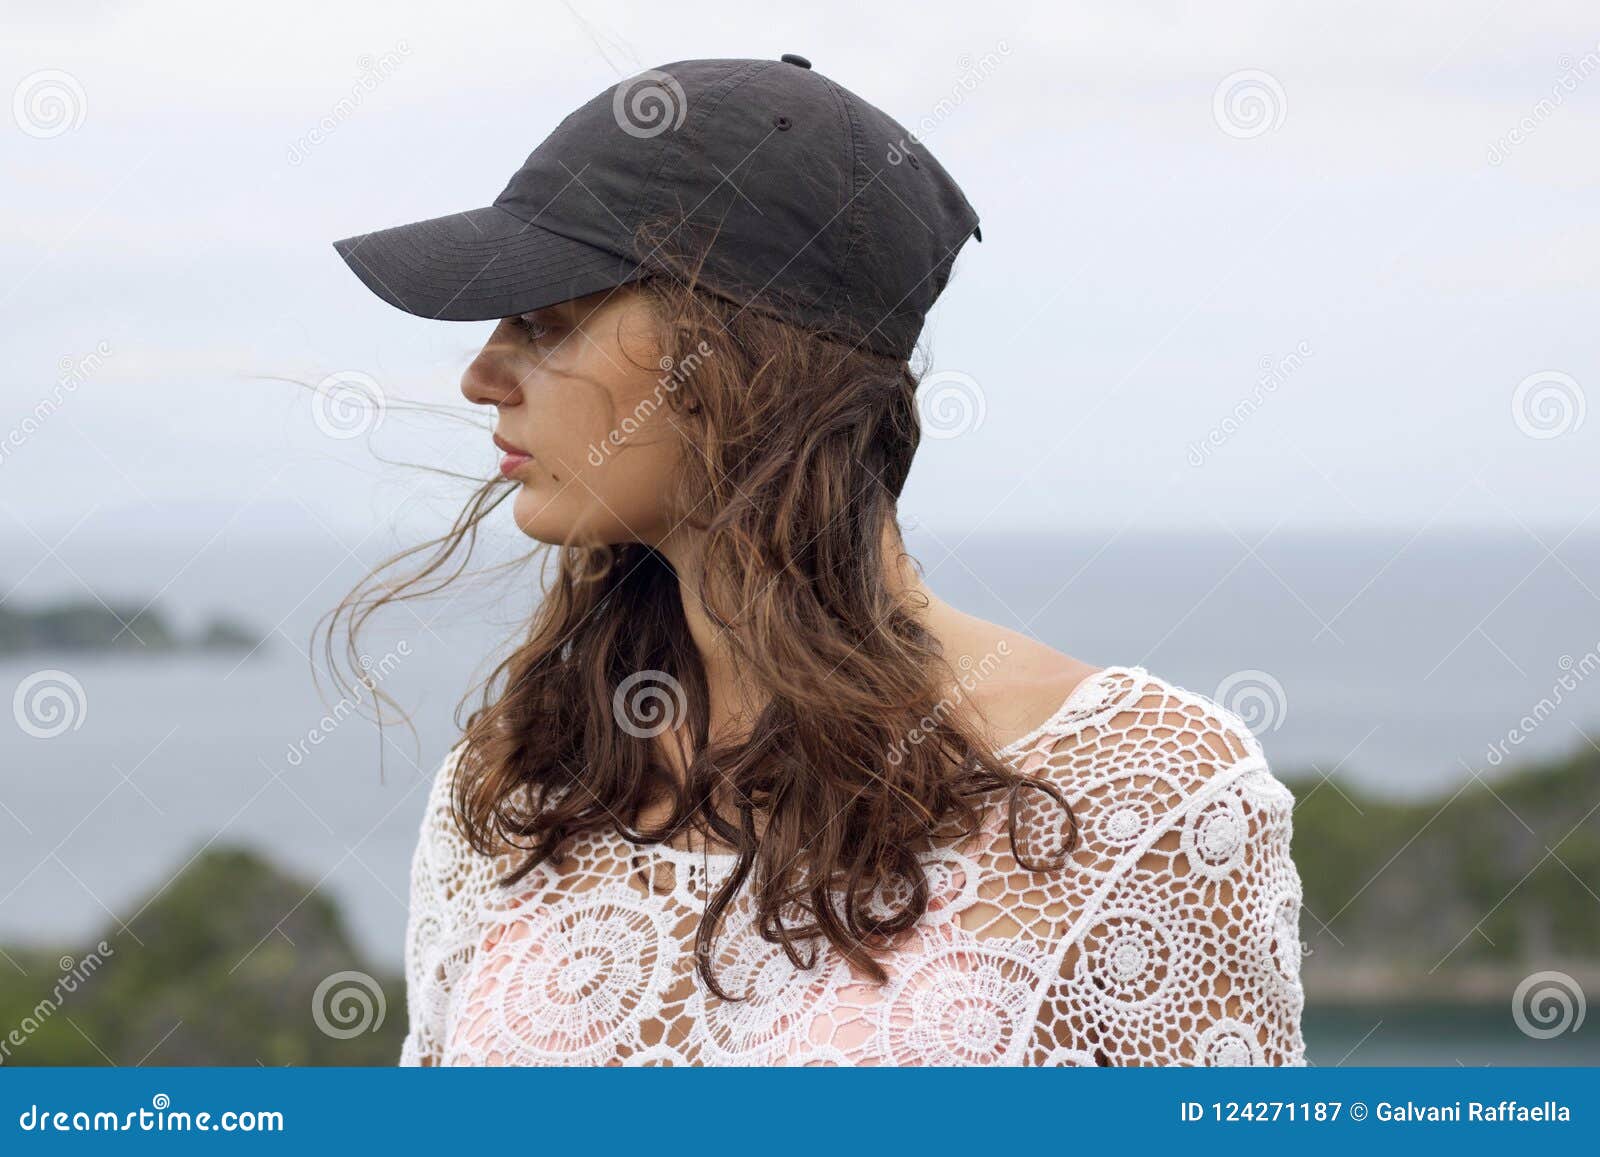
{"points": [[89, 627]]}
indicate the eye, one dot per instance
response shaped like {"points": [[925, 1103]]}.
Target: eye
{"points": [[532, 326]]}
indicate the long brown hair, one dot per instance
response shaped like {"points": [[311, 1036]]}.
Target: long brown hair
{"points": [[797, 447]]}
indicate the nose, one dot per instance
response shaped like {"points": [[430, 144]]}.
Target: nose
{"points": [[490, 380]]}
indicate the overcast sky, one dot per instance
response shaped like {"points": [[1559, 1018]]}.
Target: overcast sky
{"points": [[1395, 202]]}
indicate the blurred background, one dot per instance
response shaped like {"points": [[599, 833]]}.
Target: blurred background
{"points": [[1271, 374]]}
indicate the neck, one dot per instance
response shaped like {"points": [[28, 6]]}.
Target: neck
{"points": [[730, 695]]}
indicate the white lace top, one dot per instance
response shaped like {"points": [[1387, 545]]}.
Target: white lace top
{"points": [[1171, 936]]}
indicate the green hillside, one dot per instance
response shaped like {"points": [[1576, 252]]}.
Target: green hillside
{"points": [[89, 626], [220, 968], [1454, 896]]}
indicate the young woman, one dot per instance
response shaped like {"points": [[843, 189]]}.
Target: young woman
{"points": [[748, 792]]}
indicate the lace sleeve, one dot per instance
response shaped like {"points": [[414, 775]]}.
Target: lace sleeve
{"points": [[447, 880], [1224, 869], [1191, 956]]}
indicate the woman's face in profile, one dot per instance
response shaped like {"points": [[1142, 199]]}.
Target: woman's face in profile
{"points": [[583, 422]]}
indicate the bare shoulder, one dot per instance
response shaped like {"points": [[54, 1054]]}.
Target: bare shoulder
{"points": [[1011, 681], [1146, 740]]}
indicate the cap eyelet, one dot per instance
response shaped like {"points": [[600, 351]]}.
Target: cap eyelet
{"points": [[912, 157], [781, 123]]}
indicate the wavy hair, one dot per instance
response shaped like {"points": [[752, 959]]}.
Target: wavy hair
{"points": [[797, 447]]}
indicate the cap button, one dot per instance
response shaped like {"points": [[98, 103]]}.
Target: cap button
{"points": [[797, 61]]}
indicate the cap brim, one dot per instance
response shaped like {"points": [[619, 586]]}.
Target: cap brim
{"points": [[479, 265]]}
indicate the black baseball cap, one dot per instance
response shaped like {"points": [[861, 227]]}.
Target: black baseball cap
{"points": [[806, 202]]}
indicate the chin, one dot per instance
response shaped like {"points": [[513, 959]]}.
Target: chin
{"points": [[554, 521], [540, 518]]}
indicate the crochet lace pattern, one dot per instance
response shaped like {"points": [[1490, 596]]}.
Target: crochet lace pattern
{"points": [[1169, 937]]}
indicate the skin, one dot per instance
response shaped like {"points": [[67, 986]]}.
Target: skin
{"points": [[560, 381]]}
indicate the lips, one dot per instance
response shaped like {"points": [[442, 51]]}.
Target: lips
{"points": [[515, 458]]}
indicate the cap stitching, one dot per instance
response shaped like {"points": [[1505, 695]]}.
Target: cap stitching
{"points": [[857, 211], [847, 123], [691, 135]]}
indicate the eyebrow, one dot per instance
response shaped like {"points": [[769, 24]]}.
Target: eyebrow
{"points": [[563, 311]]}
